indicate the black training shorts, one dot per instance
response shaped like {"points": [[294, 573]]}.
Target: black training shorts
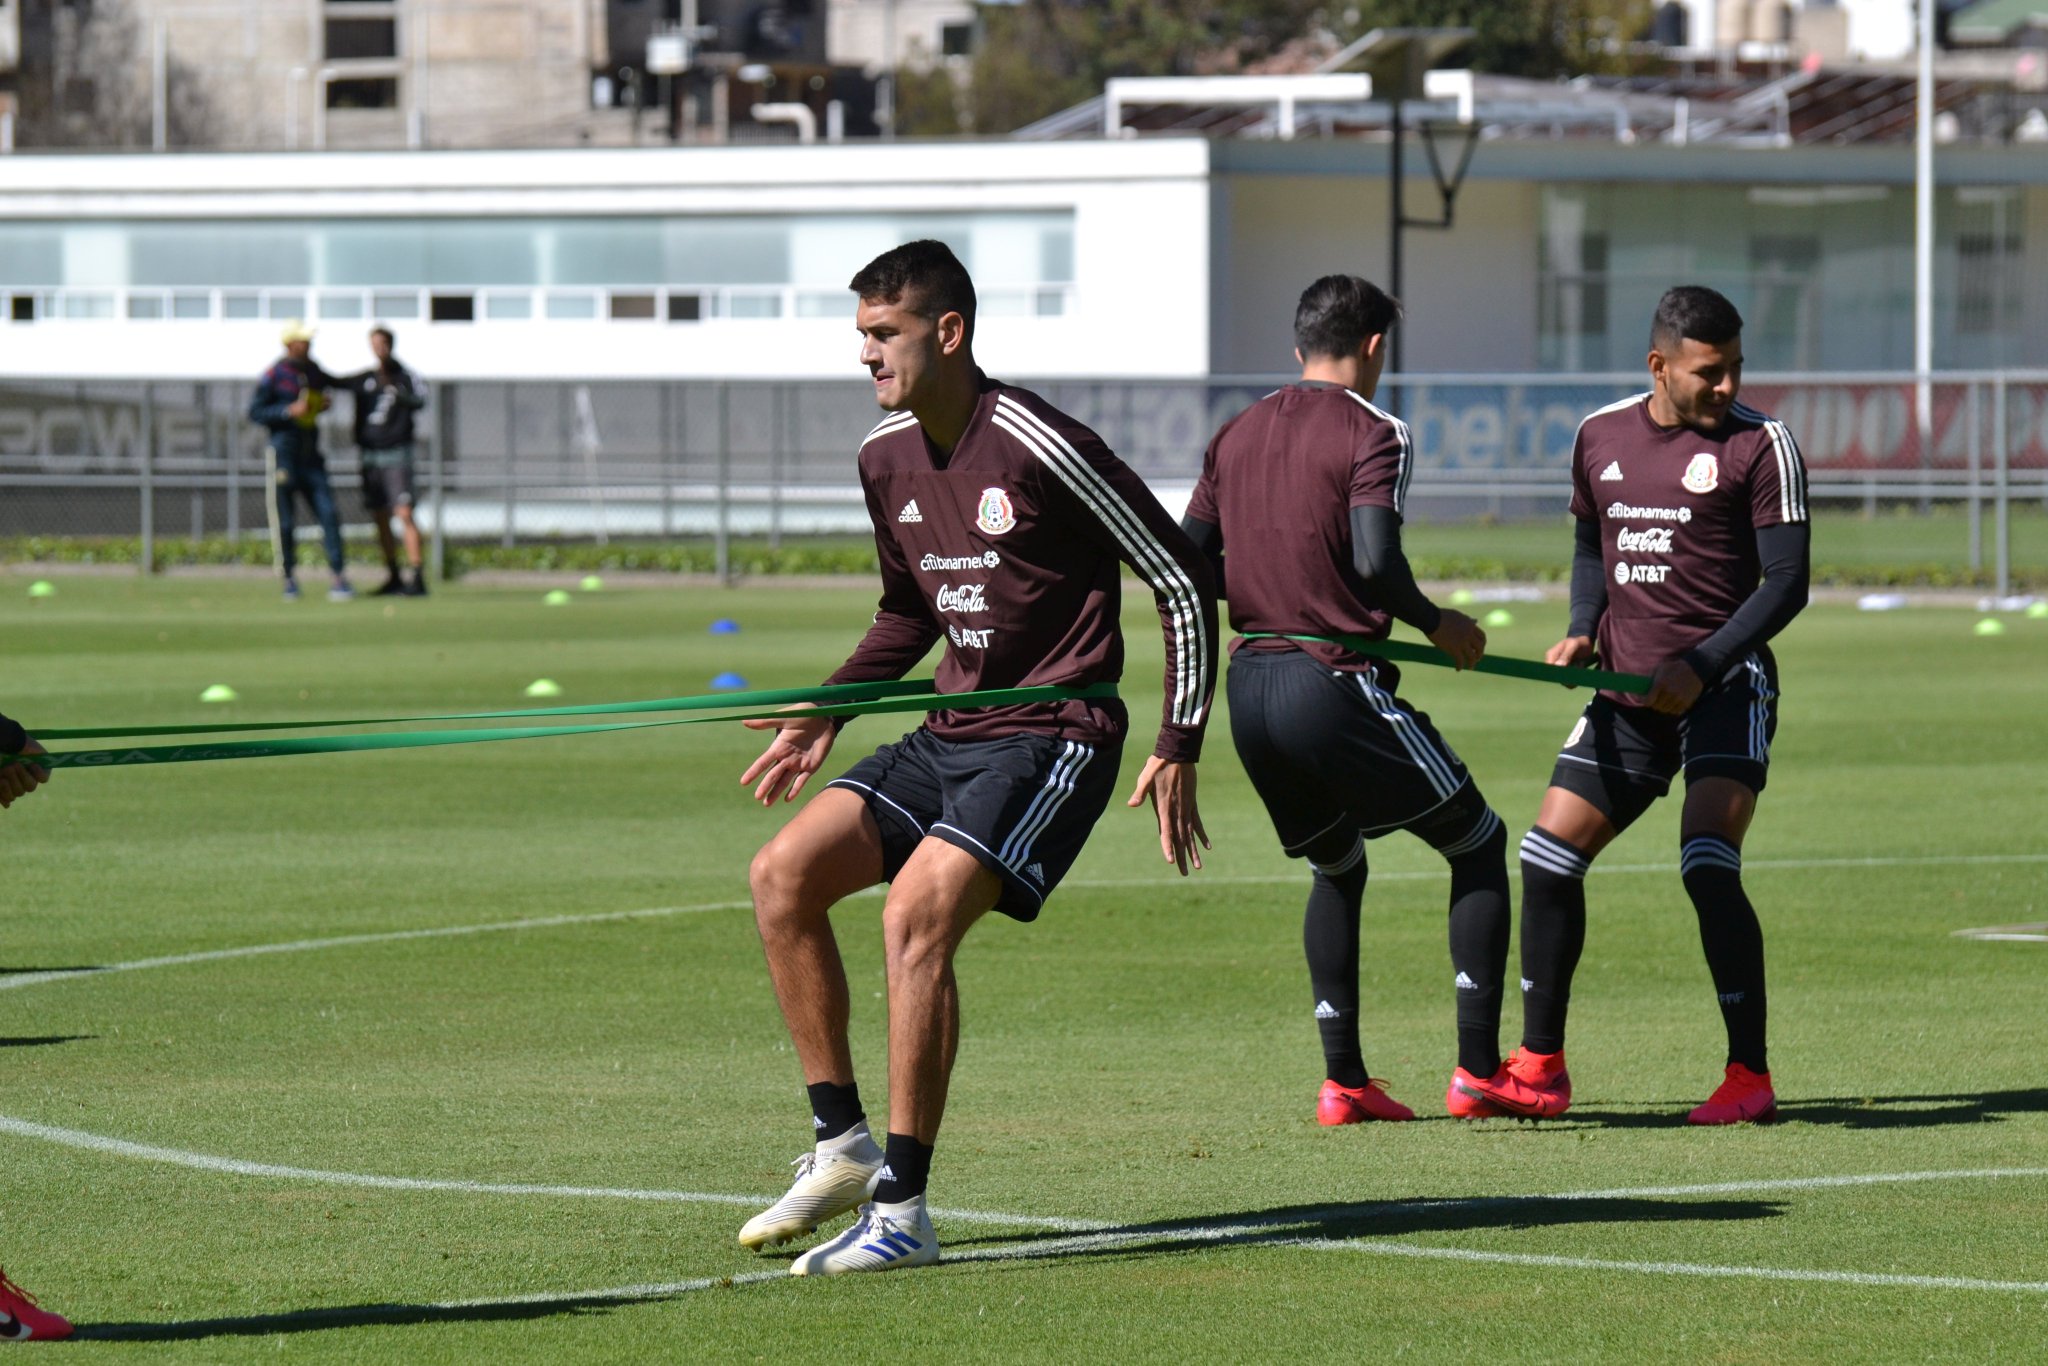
{"points": [[1623, 758], [388, 486], [1022, 804], [1334, 755]]}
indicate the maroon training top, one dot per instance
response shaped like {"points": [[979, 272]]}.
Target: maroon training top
{"points": [[1280, 480], [1009, 548], [1678, 511]]}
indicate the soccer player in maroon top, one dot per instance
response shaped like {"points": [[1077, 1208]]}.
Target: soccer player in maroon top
{"points": [[1692, 554], [21, 1319], [1301, 497], [1000, 524]]}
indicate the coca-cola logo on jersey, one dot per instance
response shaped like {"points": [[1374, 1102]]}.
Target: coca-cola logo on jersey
{"points": [[1655, 540], [968, 597]]}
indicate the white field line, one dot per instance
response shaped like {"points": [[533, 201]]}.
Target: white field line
{"points": [[30, 979], [235, 1166]]}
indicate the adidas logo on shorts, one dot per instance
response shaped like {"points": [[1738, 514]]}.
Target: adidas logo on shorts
{"points": [[1036, 872], [1610, 475], [911, 514], [1325, 1011]]}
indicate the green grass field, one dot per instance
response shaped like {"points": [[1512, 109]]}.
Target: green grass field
{"points": [[306, 1152]]}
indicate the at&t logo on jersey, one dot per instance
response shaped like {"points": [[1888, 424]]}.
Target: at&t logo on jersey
{"points": [[1702, 474], [968, 597], [1654, 540], [995, 515], [970, 640], [1640, 573]]}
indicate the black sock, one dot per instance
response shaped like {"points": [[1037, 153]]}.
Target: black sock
{"points": [[1733, 939], [834, 1108], [1479, 940], [1553, 935], [1329, 935], [906, 1170]]}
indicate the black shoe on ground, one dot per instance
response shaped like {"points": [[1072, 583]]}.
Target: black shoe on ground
{"points": [[392, 587], [414, 587]]}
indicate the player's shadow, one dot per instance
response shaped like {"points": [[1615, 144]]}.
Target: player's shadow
{"points": [[1378, 1219], [39, 1040], [1849, 1112], [344, 1316], [82, 967]]}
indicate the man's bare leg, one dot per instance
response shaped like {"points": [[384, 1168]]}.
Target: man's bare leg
{"points": [[831, 850], [933, 902]]}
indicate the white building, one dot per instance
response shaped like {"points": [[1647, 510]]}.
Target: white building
{"points": [[1162, 257]]}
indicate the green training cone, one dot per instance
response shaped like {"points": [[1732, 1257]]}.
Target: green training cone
{"points": [[591, 584], [42, 588], [1462, 597], [543, 687], [1498, 617], [1990, 626], [220, 692], [2037, 610], [557, 597]]}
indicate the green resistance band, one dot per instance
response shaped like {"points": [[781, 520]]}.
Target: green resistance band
{"points": [[1569, 676], [761, 697], [422, 739]]}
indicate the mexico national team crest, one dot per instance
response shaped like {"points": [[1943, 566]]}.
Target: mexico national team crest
{"points": [[995, 515], [1702, 474]]}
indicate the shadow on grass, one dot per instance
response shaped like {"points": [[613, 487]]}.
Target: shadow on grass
{"points": [[346, 1316], [1848, 1112], [38, 1040], [83, 967], [1378, 1219]]}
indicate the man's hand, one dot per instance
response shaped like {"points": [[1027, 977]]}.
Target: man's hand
{"points": [[1172, 790], [1674, 688], [798, 751], [1572, 652], [18, 780], [301, 405], [1458, 636]]}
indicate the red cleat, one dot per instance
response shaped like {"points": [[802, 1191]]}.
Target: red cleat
{"points": [[1533, 1085], [1743, 1097], [21, 1321], [1464, 1101], [1343, 1105]]}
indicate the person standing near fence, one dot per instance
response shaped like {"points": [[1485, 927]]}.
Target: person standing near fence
{"points": [[1692, 551], [387, 396], [1299, 507], [289, 399]]}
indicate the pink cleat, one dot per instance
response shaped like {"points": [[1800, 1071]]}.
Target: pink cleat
{"points": [[1344, 1105], [1743, 1097], [1533, 1085], [21, 1321]]}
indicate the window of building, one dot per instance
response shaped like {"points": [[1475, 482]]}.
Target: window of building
{"points": [[363, 92], [632, 306], [956, 40], [452, 308], [353, 39], [685, 308], [21, 308]]}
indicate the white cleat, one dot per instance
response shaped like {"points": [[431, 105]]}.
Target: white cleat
{"points": [[827, 1185], [884, 1238]]}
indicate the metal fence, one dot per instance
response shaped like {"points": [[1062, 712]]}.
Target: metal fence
{"points": [[517, 462]]}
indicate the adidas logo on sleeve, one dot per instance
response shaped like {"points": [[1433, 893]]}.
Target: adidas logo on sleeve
{"points": [[911, 514]]}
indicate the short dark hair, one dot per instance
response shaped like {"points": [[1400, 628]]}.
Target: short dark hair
{"points": [[1338, 312], [1694, 311], [925, 272], [380, 330]]}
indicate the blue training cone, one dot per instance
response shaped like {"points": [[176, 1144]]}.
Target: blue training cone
{"points": [[728, 682], [725, 626]]}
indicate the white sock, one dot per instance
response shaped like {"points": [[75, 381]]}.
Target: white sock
{"points": [[847, 1141]]}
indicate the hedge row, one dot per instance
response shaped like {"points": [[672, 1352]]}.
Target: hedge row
{"points": [[831, 556]]}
